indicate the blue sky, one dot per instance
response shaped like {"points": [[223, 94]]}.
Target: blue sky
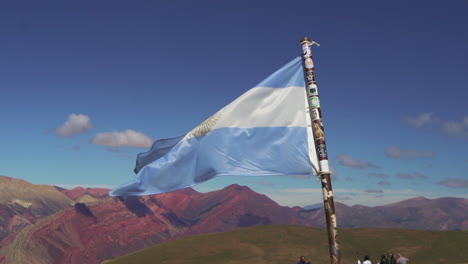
{"points": [[87, 85]]}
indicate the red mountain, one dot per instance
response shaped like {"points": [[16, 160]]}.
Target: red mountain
{"points": [[23, 203], [113, 227], [40, 223], [84, 195]]}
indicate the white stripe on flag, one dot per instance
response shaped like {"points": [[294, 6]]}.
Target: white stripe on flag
{"points": [[266, 131]]}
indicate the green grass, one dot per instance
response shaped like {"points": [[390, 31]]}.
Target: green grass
{"points": [[285, 243]]}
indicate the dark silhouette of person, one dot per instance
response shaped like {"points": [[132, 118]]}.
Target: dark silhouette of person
{"points": [[303, 261], [392, 259], [383, 260]]}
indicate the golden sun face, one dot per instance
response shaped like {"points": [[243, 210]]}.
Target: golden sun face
{"points": [[207, 125]]}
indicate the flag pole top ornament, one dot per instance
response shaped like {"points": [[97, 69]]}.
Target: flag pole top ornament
{"points": [[310, 43]]}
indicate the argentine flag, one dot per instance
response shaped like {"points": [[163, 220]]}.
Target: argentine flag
{"points": [[264, 132]]}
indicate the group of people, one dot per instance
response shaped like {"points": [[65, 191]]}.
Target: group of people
{"points": [[384, 260]]}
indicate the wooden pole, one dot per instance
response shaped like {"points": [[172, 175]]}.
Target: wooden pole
{"points": [[321, 148]]}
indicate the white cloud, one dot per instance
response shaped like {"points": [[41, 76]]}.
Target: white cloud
{"points": [[420, 175], [350, 162], [411, 176], [334, 172], [384, 183], [378, 175], [129, 138], [455, 183], [398, 153], [457, 129], [420, 120], [405, 176], [76, 124]]}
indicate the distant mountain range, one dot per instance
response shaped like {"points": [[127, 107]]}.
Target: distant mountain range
{"points": [[446, 213], [49, 224]]}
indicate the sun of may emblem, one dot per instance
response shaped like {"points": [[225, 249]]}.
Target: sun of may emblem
{"points": [[205, 127]]}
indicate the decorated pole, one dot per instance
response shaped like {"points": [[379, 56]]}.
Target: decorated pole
{"points": [[321, 148]]}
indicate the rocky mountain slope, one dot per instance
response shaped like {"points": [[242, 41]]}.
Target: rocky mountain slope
{"points": [[91, 233], [49, 224], [23, 203]]}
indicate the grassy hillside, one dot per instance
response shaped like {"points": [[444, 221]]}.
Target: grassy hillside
{"points": [[285, 243]]}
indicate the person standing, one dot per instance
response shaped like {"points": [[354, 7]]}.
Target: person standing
{"points": [[303, 261], [392, 259], [401, 259], [383, 260], [366, 260]]}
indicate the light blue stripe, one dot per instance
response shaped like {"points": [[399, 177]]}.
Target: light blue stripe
{"points": [[260, 151], [289, 75]]}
